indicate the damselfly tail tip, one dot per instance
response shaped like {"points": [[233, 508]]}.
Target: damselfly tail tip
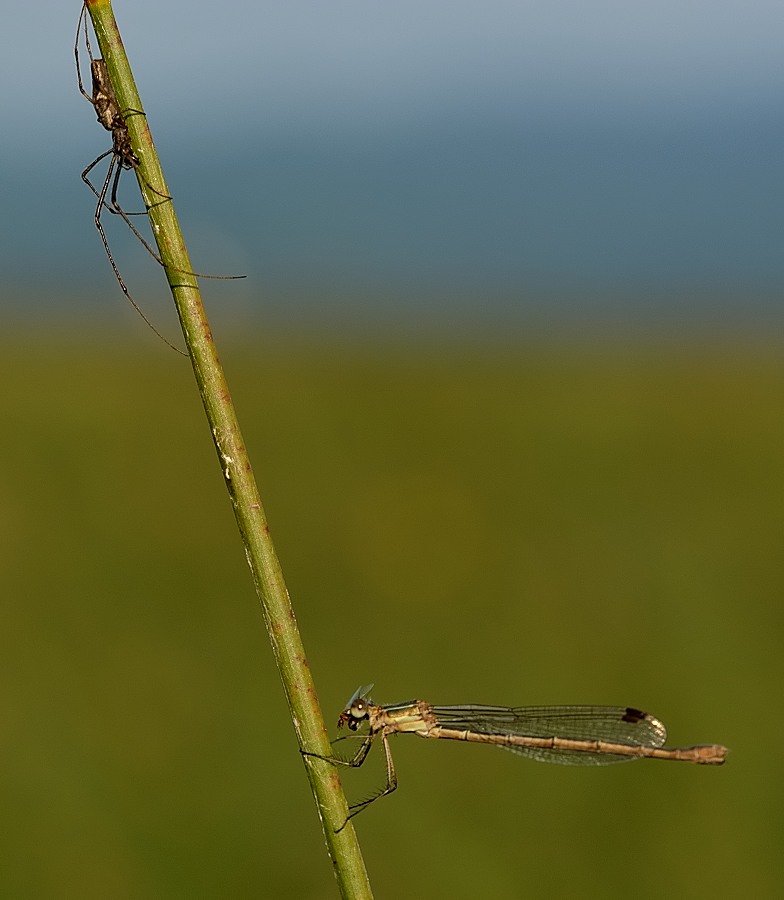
{"points": [[710, 754]]}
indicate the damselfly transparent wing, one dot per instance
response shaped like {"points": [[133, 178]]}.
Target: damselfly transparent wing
{"points": [[614, 724], [362, 691]]}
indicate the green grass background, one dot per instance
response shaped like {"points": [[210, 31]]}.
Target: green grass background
{"points": [[518, 521]]}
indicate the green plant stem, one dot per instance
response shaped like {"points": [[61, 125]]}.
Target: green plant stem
{"points": [[279, 617]]}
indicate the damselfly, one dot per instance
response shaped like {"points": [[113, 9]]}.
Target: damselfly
{"points": [[569, 735]]}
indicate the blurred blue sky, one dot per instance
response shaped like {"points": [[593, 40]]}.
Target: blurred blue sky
{"points": [[450, 156]]}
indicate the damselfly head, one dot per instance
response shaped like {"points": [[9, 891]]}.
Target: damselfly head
{"points": [[357, 708]]}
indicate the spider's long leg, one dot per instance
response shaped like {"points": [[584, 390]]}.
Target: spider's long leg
{"points": [[82, 18], [97, 219], [115, 208]]}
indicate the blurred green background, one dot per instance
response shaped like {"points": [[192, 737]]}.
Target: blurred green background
{"points": [[519, 520]]}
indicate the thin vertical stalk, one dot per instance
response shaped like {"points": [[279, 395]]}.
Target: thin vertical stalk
{"points": [[235, 466]]}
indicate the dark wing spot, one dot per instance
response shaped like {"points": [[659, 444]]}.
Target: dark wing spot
{"points": [[634, 715]]}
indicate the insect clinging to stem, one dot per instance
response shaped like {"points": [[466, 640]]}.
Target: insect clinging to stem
{"points": [[123, 157]]}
